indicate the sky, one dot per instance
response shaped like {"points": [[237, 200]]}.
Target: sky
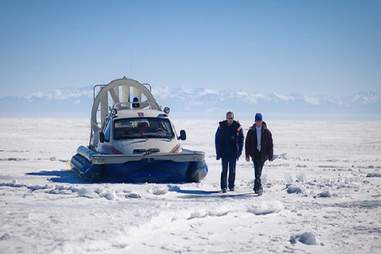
{"points": [[308, 47]]}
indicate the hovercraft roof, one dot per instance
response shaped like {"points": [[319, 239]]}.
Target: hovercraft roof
{"points": [[128, 113]]}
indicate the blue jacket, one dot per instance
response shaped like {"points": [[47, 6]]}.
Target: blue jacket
{"points": [[229, 140]]}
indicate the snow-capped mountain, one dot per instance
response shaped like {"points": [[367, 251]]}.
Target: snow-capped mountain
{"points": [[202, 102]]}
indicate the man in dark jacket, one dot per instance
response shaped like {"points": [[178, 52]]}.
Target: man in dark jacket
{"points": [[259, 146], [229, 144]]}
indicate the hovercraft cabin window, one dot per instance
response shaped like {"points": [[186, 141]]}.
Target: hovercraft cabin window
{"points": [[132, 128], [107, 131]]}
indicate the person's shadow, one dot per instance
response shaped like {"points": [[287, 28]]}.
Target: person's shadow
{"points": [[191, 192], [59, 176], [69, 176], [207, 194]]}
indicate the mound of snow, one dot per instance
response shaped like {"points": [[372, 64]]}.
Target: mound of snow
{"points": [[293, 189], [282, 156], [203, 214], [305, 238], [37, 187], [374, 174], [59, 189], [265, 207], [324, 194], [197, 215], [133, 195], [218, 213], [301, 178], [5, 237], [15, 184], [56, 191], [107, 194], [159, 190], [83, 192], [174, 188], [110, 195]]}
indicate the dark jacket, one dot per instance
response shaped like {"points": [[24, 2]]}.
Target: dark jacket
{"points": [[229, 140], [266, 144]]}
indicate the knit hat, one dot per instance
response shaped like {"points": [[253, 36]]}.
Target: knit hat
{"points": [[258, 117]]}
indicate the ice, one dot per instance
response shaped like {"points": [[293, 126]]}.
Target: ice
{"points": [[133, 195], [375, 174], [306, 238], [294, 189], [324, 194], [5, 237]]}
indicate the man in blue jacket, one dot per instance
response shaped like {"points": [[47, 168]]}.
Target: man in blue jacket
{"points": [[229, 144]]}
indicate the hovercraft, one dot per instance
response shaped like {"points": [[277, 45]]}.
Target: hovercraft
{"points": [[133, 140]]}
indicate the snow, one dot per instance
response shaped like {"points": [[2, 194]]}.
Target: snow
{"points": [[46, 208]]}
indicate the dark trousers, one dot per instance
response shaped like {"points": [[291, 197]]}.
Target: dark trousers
{"points": [[258, 165], [228, 164]]}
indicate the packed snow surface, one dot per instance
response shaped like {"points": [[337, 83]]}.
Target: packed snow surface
{"points": [[321, 195]]}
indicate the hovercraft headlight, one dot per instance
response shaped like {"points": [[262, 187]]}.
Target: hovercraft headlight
{"points": [[135, 102], [167, 110]]}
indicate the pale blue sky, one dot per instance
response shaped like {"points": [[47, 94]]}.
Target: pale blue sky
{"points": [[311, 47]]}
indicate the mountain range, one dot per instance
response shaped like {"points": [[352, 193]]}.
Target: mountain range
{"points": [[202, 102]]}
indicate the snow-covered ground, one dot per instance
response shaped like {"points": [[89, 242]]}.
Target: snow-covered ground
{"points": [[322, 195]]}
